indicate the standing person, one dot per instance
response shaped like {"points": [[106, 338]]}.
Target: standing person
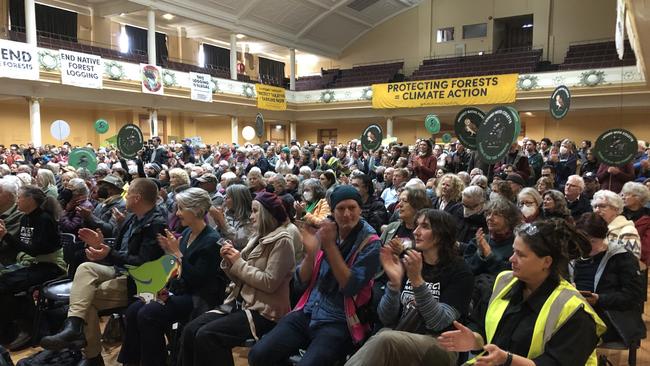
{"points": [[425, 164], [612, 178], [37, 238], [426, 293], [200, 286], [535, 160], [261, 273], [590, 164], [518, 161], [104, 286], [340, 261], [159, 153], [523, 297]]}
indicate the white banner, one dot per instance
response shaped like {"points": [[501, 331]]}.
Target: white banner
{"points": [[18, 60], [201, 89], [81, 69], [152, 81], [619, 34]]}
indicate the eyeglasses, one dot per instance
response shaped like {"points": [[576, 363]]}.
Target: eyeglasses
{"points": [[600, 206]]}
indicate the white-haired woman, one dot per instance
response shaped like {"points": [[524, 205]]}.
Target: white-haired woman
{"points": [[72, 220], [473, 200], [635, 197], [46, 180], [530, 204], [199, 287], [622, 231]]}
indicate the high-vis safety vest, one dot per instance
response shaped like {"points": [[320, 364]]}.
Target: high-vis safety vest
{"points": [[563, 302]]}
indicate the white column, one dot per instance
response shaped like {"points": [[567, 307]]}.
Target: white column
{"points": [[30, 22], [151, 36], [233, 56], [292, 130], [35, 121], [153, 122], [292, 69], [389, 127], [234, 128]]}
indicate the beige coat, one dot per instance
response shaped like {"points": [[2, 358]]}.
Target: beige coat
{"points": [[262, 275], [622, 232]]}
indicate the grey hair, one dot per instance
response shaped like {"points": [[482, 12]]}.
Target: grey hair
{"points": [[532, 193], [194, 199], [10, 187], [305, 170], [579, 180], [241, 201], [610, 198], [505, 208], [4, 170], [78, 187], [280, 179], [464, 176], [637, 189], [479, 180], [54, 167], [316, 187], [46, 178], [25, 178], [474, 193], [269, 174]]}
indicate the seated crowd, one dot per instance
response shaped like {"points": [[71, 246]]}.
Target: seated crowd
{"points": [[416, 254]]}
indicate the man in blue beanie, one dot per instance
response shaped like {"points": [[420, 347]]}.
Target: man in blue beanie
{"points": [[341, 258]]}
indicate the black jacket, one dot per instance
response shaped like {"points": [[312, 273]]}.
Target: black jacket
{"points": [[142, 244], [467, 230], [579, 206], [374, 212], [38, 234]]}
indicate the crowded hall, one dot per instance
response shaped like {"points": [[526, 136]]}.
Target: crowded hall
{"points": [[324, 182]]}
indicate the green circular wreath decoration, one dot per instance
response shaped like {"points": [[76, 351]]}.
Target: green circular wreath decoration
{"points": [[366, 94], [327, 96], [214, 85], [592, 78], [48, 61], [527, 82], [114, 70], [248, 90], [169, 78]]}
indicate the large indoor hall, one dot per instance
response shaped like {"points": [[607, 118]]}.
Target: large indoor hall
{"points": [[324, 182]]}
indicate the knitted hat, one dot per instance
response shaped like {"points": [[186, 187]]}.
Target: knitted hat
{"points": [[514, 177], [273, 204], [286, 150], [342, 193]]}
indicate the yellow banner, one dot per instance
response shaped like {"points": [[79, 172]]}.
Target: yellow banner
{"points": [[475, 90], [270, 97]]}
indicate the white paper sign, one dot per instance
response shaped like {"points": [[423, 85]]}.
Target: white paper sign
{"points": [[18, 60], [201, 89], [152, 82], [81, 69], [619, 34]]}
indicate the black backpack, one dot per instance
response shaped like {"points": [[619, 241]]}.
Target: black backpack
{"points": [[65, 357]]}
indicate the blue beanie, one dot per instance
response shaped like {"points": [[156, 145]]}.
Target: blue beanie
{"points": [[342, 193]]}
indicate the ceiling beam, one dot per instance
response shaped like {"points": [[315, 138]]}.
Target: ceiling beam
{"points": [[110, 8], [319, 18]]}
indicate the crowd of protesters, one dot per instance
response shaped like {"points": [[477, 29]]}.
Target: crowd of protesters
{"points": [[412, 254]]}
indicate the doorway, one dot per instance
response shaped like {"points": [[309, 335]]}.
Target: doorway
{"points": [[513, 33]]}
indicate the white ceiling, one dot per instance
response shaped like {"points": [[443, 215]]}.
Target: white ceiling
{"points": [[321, 27]]}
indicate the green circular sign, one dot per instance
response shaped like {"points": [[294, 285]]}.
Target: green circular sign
{"points": [[616, 147], [101, 126], [371, 137], [83, 158], [446, 138], [466, 125], [130, 140], [515, 114], [495, 135], [432, 123], [560, 102]]}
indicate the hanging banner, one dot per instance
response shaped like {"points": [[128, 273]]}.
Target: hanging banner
{"points": [[270, 97], [18, 60], [201, 87], [81, 69], [151, 79], [489, 89], [619, 33]]}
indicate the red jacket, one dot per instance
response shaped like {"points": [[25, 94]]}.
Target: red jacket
{"points": [[643, 227], [614, 182], [425, 167]]}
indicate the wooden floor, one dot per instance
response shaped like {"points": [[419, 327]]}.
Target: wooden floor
{"points": [[240, 354]]}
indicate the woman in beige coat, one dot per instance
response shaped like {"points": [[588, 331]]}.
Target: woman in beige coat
{"points": [[260, 276], [622, 231]]}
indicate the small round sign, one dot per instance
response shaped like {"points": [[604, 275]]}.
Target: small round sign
{"points": [[248, 133], [495, 135], [466, 125], [372, 137], [446, 138], [259, 125], [101, 126], [616, 147], [130, 140], [83, 158], [432, 123], [60, 129], [560, 102]]}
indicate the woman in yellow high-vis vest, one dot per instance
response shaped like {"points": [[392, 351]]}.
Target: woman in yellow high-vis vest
{"points": [[535, 317]]}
